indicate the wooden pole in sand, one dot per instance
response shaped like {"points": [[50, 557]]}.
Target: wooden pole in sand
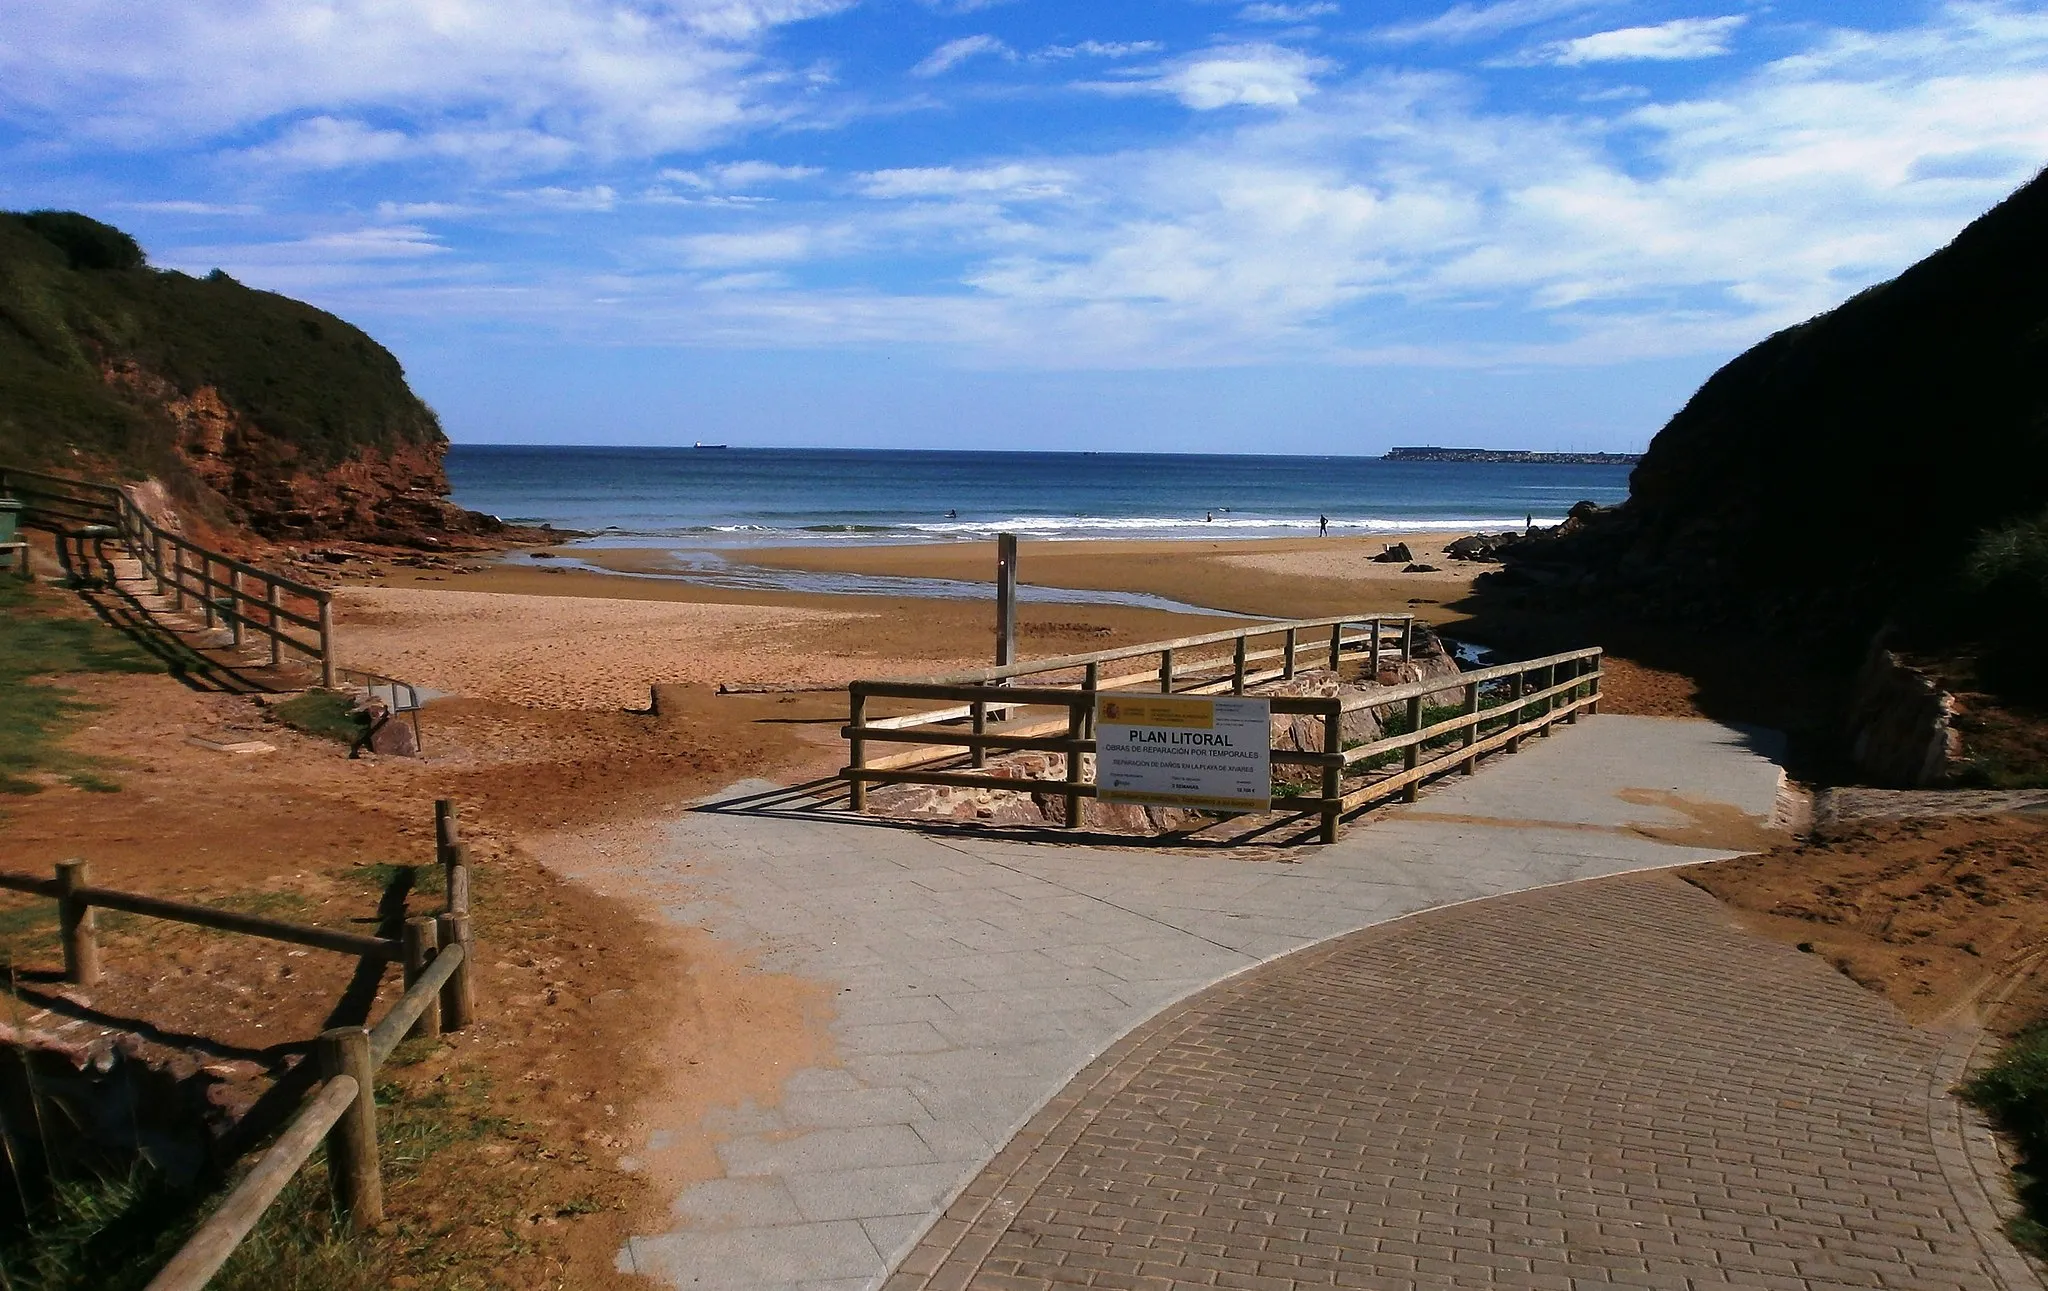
{"points": [[1006, 606]]}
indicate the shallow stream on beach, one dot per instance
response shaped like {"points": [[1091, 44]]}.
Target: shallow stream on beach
{"points": [[715, 569]]}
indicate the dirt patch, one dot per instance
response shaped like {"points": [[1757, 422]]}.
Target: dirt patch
{"points": [[1935, 915]]}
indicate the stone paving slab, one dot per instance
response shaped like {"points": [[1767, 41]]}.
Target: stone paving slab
{"points": [[976, 975], [1601, 1084]]}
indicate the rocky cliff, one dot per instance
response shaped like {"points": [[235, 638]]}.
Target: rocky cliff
{"points": [[258, 412], [1851, 470]]}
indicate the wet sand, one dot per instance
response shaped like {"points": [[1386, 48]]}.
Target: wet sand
{"points": [[1279, 577]]}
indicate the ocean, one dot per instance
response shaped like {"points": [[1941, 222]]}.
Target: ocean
{"points": [[722, 498]]}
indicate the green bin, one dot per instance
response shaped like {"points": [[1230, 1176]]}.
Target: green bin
{"points": [[10, 519]]}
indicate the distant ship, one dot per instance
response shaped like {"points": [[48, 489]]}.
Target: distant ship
{"points": [[701, 444]]}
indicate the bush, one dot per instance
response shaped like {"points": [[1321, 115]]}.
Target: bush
{"points": [[2013, 1092], [85, 242], [2006, 577]]}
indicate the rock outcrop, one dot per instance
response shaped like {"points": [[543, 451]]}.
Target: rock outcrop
{"points": [[1901, 725], [256, 412]]}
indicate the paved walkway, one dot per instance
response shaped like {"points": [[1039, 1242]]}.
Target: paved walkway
{"points": [[976, 976], [1603, 1084]]}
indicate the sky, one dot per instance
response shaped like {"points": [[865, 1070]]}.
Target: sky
{"points": [[1314, 226]]}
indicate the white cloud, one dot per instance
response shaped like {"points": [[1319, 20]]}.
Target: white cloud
{"points": [[596, 197], [1012, 181], [1403, 219], [354, 82], [1255, 75], [732, 175], [422, 210], [176, 207], [401, 242], [789, 244], [1101, 49], [955, 52], [1466, 22], [1674, 41], [1267, 12]]}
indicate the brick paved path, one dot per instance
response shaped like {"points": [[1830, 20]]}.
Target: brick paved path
{"points": [[1602, 1084]]}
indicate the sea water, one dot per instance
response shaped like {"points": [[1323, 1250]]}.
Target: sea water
{"points": [[753, 497], [708, 505]]}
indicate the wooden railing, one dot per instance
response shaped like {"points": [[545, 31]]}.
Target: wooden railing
{"points": [[436, 952], [1526, 698], [291, 615]]}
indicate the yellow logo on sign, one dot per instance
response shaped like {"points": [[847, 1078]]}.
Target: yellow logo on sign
{"points": [[1143, 710]]}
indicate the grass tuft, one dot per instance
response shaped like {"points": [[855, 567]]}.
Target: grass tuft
{"points": [[328, 714], [37, 644]]}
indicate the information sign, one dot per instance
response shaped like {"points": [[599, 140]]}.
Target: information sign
{"points": [[1184, 751]]}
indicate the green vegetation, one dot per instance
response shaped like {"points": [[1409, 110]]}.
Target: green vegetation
{"points": [[78, 299], [36, 644], [325, 713], [2014, 1092], [114, 1234]]}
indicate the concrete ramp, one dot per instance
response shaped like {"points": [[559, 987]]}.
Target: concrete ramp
{"points": [[974, 976]]}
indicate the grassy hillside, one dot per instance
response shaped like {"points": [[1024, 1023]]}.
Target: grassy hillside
{"points": [[1883, 463], [77, 295]]}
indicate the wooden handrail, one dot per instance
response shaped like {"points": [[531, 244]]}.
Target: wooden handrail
{"points": [[425, 991], [1062, 662], [982, 694], [260, 609], [207, 1249]]}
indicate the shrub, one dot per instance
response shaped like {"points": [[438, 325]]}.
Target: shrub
{"points": [[85, 242], [2013, 1092]]}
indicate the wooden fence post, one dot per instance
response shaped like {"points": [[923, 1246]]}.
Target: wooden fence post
{"points": [[1166, 672], [235, 615], [75, 922], [274, 598], [422, 939], [352, 1169], [1593, 697], [1333, 774], [1237, 669], [1577, 666], [1550, 704], [1471, 732], [856, 748], [157, 545], [1515, 713], [326, 642], [1091, 679], [978, 757], [207, 607], [1286, 664], [1373, 653], [1413, 751], [1076, 715], [1336, 646], [1408, 639], [458, 995], [178, 576]]}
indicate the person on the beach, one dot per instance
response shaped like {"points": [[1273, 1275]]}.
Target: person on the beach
{"points": [[1209, 517], [1322, 526]]}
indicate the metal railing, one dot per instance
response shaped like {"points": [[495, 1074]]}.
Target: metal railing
{"points": [[1526, 699], [293, 616]]}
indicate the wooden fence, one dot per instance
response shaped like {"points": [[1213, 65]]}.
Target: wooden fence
{"points": [[291, 615], [1526, 699], [435, 951]]}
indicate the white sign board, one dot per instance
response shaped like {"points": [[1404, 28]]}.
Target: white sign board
{"points": [[1184, 751]]}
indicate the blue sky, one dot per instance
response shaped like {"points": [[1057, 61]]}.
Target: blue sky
{"points": [[1314, 226]]}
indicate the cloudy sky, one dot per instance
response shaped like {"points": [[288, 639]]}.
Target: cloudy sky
{"points": [[1317, 226]]}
